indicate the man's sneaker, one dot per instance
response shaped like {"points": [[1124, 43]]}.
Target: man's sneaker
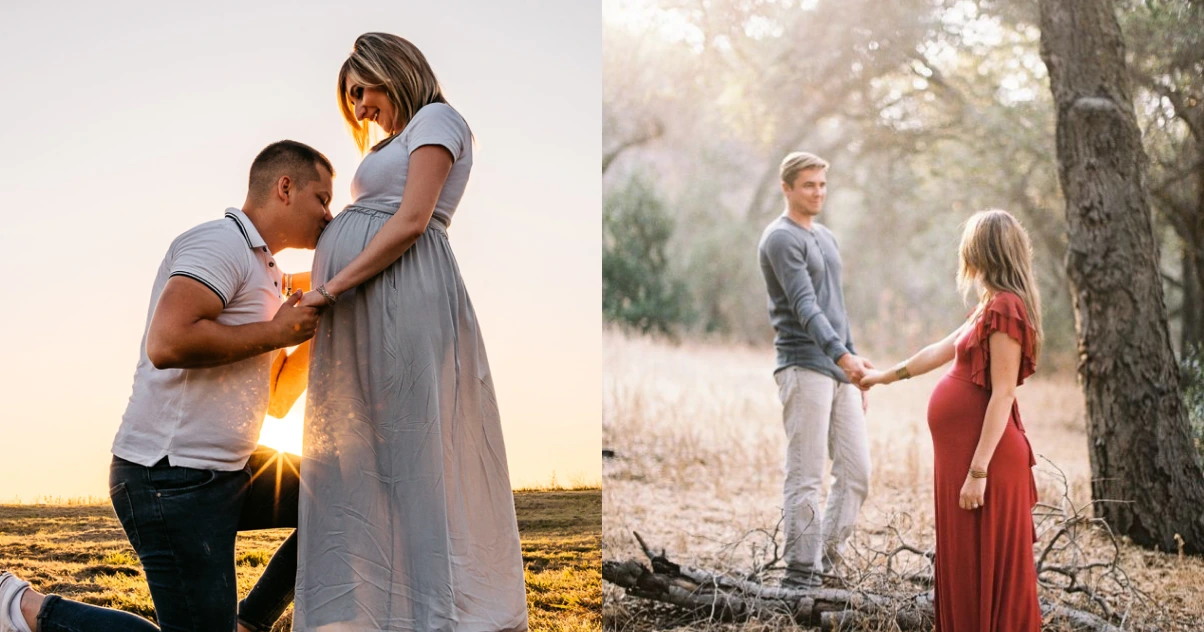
{"points": [[10, 590], [804, 580]]}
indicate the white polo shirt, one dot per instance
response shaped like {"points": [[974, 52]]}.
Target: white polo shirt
{"points": [[207, 418]]}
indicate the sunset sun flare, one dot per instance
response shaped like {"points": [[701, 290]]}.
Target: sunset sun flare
{"points": [[285, 434]]}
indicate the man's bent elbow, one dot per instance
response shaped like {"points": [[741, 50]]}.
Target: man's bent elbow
{"points": [[162, 355]]}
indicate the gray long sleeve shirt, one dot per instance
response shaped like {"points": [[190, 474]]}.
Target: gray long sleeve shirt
{"points": [[806, 304]]}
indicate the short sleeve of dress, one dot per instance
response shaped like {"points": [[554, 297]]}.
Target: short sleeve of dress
{"points": [[438, 124], [213, 255], [1005, 312]]}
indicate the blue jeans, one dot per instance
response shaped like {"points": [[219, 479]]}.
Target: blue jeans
{"points": [[182, 523]]}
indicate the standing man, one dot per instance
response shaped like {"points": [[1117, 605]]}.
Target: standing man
{"points": [[187, 474], [817, 373]]}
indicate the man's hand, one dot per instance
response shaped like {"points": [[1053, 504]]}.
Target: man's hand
{"points": [[297, 322], [854, 368]]}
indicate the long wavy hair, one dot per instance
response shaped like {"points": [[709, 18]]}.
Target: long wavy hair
{"points": [[395, 65], [996, 255]]}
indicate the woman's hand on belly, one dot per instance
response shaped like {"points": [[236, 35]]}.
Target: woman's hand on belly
{"points": [[428, 169]]}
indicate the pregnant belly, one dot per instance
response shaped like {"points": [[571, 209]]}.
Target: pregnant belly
{"points": [[343, 239], [955, 414]]}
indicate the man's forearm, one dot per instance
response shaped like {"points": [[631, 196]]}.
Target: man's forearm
{"points": [[820, 330], [789, 267], [812, 318], [206, 343]]}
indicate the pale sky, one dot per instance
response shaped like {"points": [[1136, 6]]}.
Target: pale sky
{"points": [[123, 124]]}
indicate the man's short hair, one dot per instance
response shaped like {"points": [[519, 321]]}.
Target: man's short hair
{"points": [[289, 158], [798, 161]]}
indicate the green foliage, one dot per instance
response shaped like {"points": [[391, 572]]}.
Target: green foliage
{"points": [[724, 279], [639, 289], [1191, 369]]}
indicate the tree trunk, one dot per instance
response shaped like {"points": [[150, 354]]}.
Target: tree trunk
{"points": [[1147, 481], [1190, 337]]}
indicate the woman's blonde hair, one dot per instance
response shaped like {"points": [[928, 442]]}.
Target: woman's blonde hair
{"points": [[996, 251], [396, 66]]}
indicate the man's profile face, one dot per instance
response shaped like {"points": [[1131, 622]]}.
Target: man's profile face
{"points": [[311, 209], [808, 192]]}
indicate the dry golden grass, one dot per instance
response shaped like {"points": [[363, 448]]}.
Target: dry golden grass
{"points": [[81, 552], [696, 429]]}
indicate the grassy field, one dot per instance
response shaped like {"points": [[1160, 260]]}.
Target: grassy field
{"points": [[81, 552], [696, 431]]}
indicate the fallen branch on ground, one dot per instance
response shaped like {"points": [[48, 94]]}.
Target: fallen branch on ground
{"points": [[720, 597]]}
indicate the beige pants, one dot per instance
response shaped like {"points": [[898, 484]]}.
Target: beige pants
{"points": [[823, 418]]}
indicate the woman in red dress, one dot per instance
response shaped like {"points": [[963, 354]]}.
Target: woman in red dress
{"points": [[983, 482]]}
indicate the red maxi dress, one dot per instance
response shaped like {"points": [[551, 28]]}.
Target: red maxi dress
{"points": [[985, 577]]}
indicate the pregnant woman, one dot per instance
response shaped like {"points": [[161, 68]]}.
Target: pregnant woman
{"points": [[983, 482], [406, 515]]}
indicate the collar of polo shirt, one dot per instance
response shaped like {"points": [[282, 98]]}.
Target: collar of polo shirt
{"points": [[247, 228]]}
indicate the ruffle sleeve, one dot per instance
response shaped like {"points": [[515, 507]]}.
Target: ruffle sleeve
{"points": [[1005, 312]]}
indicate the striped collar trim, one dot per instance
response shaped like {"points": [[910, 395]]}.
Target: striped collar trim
{"points": [[246, 227]]}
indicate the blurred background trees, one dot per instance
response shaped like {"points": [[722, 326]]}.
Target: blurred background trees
{"points": [[928, 110]]}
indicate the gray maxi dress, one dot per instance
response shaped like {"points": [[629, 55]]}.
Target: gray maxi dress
{"points": [[406, 514]]}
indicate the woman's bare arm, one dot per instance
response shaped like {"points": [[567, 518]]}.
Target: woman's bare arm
{"points": [[429, 166], [1005, 369], [931, 357]]}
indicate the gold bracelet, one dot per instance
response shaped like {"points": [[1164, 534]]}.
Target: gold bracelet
{"points": [[978, 473], [902, 373]]}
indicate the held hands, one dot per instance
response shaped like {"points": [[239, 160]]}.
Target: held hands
{"points": [[298, 322], [854, 367], [314, 300], [873, 378], [319, 298], [973, 493]]}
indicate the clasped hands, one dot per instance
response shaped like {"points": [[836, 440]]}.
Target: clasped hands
{"points": [[856, 368], [315, 300], [298, 317], [868, 377], [862, 374]]}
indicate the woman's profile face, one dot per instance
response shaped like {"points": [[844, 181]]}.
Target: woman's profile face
{"points": [[373, 104]]}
